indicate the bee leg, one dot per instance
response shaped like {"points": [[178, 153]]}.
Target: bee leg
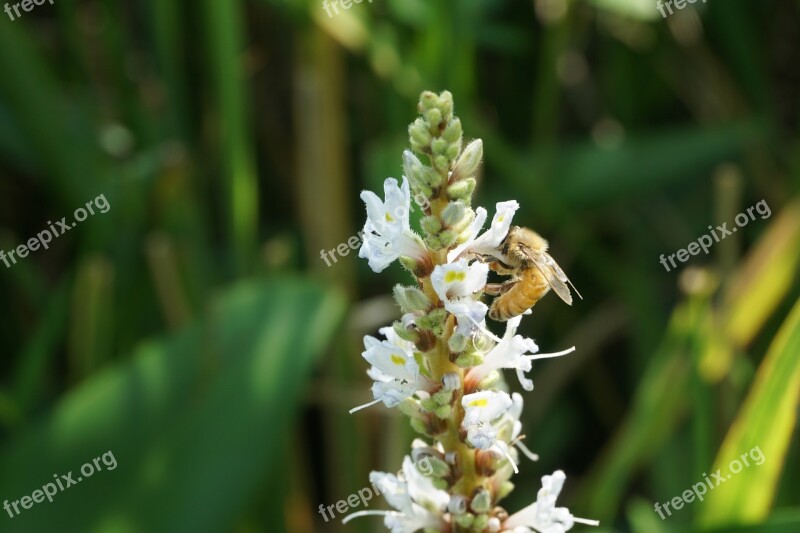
{"points": [[496, 289], [500, 268]]}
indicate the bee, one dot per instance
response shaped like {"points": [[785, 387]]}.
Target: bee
{"points": [[533, 273]]}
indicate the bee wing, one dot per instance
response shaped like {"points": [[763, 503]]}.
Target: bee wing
{"points": [[553, 274]]}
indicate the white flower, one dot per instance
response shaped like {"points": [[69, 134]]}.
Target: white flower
{"points": [[480, 410], [418, 503], [509, 427], [512, 352], [543, 516], [489, 242], [394, 369], [387, 232], [456, 284]]}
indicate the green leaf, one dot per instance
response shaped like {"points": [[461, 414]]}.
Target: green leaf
{"points": [[765, 421], [195, 421]]}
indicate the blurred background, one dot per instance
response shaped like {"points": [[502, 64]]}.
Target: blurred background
{"points": [[195, 331]]}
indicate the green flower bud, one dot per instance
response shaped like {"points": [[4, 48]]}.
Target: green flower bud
{"points": [[469, 359], [453, 213], [490, 381], [421, 268], [457, 343], [427, 100], [405, 334], [410, 299], [446, 104], [419, 426], [431, 225], [413, 167], [433, 242], [461, 190], [432, 178], [453, 132], [465, 520], [506, 488], [419, 134], [443, 397], [433, 117], [433, 321], [480, 522], [453, 150], [410, 408], [447, 238], [439, 146], [481, 501], [435, 466], [443, 411], [469, 161], [428, 404], [440, 484], [441, 163]]}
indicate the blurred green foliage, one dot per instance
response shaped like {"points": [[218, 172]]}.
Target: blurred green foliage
{"points": [[195, 331]]}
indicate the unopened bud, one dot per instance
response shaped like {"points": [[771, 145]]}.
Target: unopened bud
{"points": [[441, 162], [506, 488], [467, 164], [481, 501], [453, 132], [480, 523], [427, 100], [446, 104], [469, 359], [433, 117], [453, 150], [465, 520], [419, 135], [457, 343], [447, 237], [431, 224], [433, 321], [404, 333], [454, 213], [462, 189], [410, 299], [439, 146]]}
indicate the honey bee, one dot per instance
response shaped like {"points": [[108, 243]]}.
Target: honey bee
{"points": [[533, 273]]}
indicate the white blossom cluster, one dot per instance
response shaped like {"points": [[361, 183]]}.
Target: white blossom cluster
{"points": [[439, 363]]}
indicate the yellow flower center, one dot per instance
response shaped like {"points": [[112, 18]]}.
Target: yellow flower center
{"points": [[454, 275], [396, 359], [479, 403]]}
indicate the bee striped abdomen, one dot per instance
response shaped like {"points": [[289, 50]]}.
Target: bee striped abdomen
{"points": [[530, 288]]}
